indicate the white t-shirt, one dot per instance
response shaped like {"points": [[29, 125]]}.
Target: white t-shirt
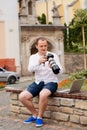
{"points": [[42, 71]]}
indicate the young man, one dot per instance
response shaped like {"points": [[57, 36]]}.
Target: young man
{"points": [[45, 82]]}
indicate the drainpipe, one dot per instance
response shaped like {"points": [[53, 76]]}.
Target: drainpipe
{"points": [[84, 6], [46, 11], [67, 14]]}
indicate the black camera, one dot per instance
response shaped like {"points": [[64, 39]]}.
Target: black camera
{"points": [[55, 67]]}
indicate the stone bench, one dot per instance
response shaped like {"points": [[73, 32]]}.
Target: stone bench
{"points": [[65, 109]]}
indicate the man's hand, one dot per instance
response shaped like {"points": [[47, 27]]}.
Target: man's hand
{"points": [[42, 59]]}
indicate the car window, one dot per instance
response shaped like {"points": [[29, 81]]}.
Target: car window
{"points": [[1, 70]]}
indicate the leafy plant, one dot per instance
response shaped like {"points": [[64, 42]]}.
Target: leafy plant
{"points": [[77, 33], [78, 75], [49, 22], [42, 19], [78, 47], [80, 20], [2, 84], [64, 83]]}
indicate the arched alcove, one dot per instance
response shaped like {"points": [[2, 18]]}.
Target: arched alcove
{"points": [[29, 36]]}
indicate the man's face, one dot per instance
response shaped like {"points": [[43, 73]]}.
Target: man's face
{"points": [[42, 47]]}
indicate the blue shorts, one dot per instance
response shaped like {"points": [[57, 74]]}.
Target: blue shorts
{"points": [[35, 89]]}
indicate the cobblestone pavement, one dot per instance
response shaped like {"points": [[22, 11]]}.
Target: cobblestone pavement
{"points": [[8, 122]]}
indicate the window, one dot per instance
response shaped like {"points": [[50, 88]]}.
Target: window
{"points": [[30, 7]]}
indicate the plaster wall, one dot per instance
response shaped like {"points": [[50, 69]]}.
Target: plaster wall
{"points": [[2, 39], [9, 15]]}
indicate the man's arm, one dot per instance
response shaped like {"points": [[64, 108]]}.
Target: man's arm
{"points": [[33, 64]]}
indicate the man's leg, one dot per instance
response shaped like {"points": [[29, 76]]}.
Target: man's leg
{"points": [[43, 101], [48, 89], [26, 98]]}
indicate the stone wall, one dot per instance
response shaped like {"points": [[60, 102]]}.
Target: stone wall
{"points": [[73, 62], [65, 111], [8, 64]]}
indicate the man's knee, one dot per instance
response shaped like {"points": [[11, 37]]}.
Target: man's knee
{"points": [[43, 95], [25, 95], [21, 97]]}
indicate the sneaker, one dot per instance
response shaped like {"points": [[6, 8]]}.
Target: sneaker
{"points": [[30, 120], [39, 122]]}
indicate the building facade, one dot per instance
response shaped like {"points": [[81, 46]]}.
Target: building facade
{"points": [[65, 8], [10, 21], [30, 31], [9, 32]]}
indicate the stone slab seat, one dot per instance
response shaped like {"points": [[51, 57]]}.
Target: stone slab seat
{"points": [[62, 109], [19, 87]]}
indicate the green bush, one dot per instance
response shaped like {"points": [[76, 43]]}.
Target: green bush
{"points": [[78, 75], [42, 19]]}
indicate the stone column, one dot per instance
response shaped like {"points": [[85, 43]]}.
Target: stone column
{"points": [[23, 7], [61, 51], [56, 17], [56, 20]]}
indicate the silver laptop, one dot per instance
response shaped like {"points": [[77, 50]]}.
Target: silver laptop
{"points": [[75, 87]]}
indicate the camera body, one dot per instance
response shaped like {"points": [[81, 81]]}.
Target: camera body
{"points": [[55, 67]]}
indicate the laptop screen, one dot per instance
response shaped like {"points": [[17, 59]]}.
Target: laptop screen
{"points": [[76, 85]]}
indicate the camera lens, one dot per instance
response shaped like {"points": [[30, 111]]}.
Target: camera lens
{"points": [[55, 67]]}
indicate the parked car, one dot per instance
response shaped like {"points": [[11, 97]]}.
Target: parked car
{"points": [[8, 76]]}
